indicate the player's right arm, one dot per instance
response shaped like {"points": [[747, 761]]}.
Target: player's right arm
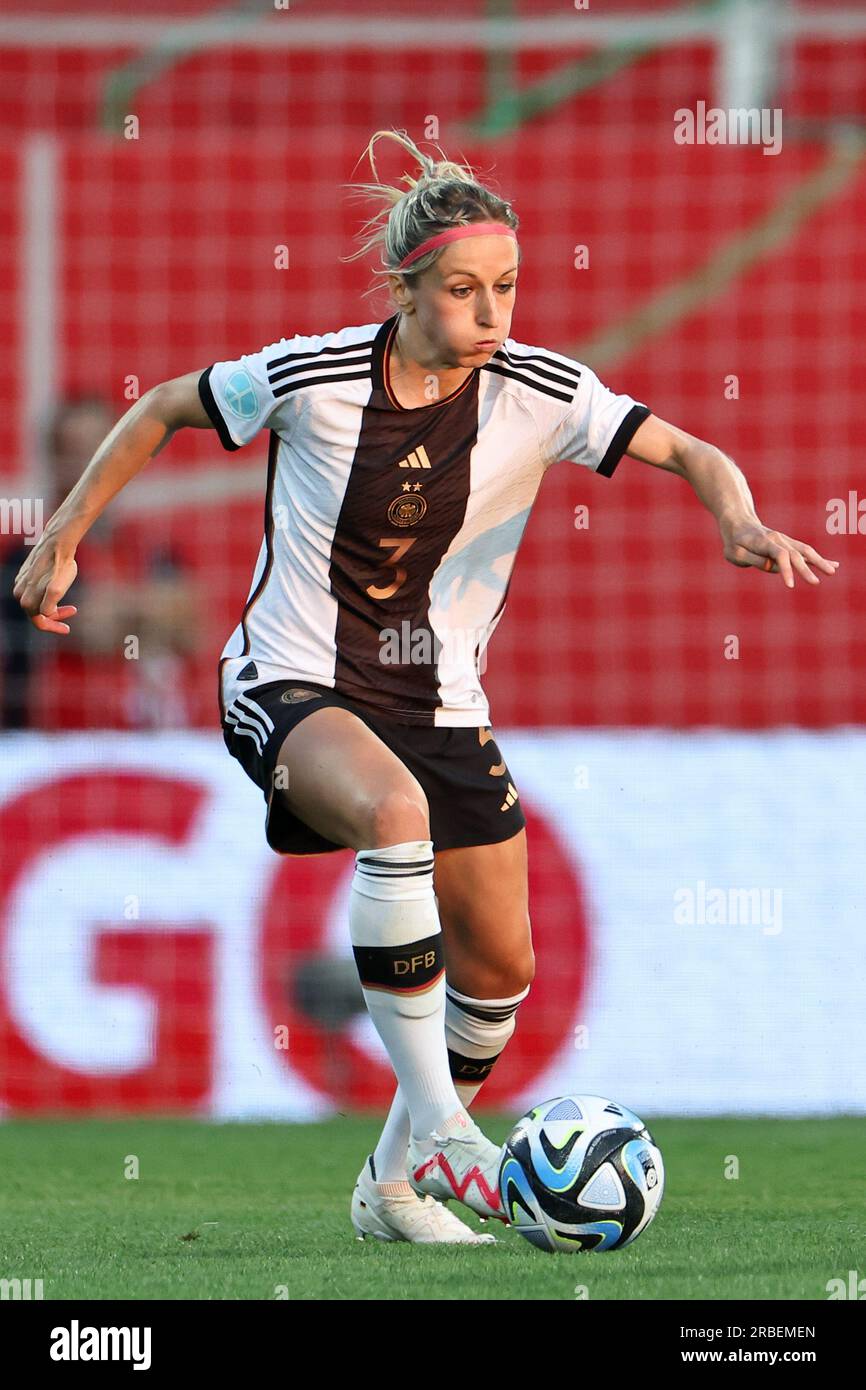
{"points": [[138, 436]]}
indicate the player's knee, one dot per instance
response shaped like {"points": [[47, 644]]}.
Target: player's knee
{"points": [[497, 963], [528, 968], [515, 978], [517, 969], [398, 814], [517, 972], [502, 978]]}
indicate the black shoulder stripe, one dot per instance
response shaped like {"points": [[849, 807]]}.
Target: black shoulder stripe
{"points": [[492, 366], [319, 353], [566, 371], [621, 440], [331, 379], [208, 400], [314, 364], [533, 372]]}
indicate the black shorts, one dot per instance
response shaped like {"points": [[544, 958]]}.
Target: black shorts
{"points": [[469, 789]]}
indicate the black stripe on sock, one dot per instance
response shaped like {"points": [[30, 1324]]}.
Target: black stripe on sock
{"points": [[414, 864], [372, 868], [497, 1014], [395, 873], [470, 1068], [409, 967]]}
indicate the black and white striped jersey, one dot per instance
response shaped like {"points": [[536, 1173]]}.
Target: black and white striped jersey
{"points": [[391, 533]]}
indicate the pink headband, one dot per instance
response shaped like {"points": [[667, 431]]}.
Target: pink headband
{"points": [[454, 234]]}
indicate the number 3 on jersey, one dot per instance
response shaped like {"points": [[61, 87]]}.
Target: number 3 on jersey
{"points": [[400, 548]]}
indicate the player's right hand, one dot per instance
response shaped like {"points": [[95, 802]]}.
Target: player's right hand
{"points": [[41, 583]]}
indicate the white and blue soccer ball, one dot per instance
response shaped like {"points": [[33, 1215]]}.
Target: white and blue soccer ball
{"points": [[580, 1173]]}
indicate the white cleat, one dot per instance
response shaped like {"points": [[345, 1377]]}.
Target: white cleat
{"points": [[419, 1220], [462, 1165]]}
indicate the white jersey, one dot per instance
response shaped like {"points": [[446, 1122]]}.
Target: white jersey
{"points": [[391, 533]]}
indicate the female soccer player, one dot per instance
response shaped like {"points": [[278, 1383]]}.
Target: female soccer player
{"points": [[405, 458]]}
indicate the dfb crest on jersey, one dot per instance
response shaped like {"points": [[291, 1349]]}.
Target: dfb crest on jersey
{"points": [[405, 511], [296, 694]]}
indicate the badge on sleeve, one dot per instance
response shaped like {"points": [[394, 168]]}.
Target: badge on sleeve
{"points": [[240, 395]]}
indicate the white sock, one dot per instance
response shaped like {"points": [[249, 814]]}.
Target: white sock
{"points": [[476, 1032], [389, 1155], [397, 943]]}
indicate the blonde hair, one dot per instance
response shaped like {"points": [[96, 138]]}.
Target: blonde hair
{"points": [[443, 195]]}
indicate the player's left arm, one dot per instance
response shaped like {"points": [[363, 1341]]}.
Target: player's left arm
{"points": [[723, 489]]}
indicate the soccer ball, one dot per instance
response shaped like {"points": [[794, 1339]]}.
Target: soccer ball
{"points": [[580, 1173]]}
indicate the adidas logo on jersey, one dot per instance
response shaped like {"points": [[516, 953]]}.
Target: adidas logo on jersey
{"points": [[417, 459], [510, 797]]}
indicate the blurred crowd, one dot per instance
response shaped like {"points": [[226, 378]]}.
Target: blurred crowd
{"points": [[127, 660]]}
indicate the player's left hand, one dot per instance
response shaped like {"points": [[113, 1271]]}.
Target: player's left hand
{"points": [[749, 543]]}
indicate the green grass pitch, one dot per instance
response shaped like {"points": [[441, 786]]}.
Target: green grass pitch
{"points": [[261, 1211]]}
